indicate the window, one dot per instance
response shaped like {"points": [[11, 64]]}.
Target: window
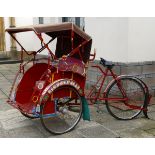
{"points": [[79, 21], [41, 20]]}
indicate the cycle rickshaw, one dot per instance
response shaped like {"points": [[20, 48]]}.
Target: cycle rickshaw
{"points": [[51, 88]]}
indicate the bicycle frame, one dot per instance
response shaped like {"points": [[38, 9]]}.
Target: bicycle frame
{"points": [[109, 72]]}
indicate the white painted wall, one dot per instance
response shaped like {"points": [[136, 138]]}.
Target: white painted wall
{"points": [[141, 39], [123, 39], [109, 37], [116, 39], [25, 38], [28, 39]]}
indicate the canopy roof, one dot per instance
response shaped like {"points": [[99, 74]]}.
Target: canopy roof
{"points": [[46, 28], [66, 40]]}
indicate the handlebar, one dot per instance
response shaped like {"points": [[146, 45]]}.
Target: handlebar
{"points": [[93, 56]]}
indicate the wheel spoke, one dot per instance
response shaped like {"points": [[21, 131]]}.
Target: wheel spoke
{"points": [[135, 96], [66, 117]]}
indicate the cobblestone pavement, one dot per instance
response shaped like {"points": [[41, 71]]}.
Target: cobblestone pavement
{"points": [[14, 124]]}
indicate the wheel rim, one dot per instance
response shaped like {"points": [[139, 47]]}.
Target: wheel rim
{"points": [[135, 99], [68, 111], [31, 116]]}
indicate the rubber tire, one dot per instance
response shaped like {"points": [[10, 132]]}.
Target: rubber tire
{"points": [[107, 94], [29, 116], [42, 118]]}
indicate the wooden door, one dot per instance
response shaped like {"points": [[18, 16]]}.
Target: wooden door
{"points": [[2, 35]]}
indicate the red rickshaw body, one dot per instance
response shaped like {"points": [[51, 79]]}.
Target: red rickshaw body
{"points": [[67, 66]]}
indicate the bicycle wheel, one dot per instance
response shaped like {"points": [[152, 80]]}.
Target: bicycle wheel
{"points": [[128, 106], [68, 110]]}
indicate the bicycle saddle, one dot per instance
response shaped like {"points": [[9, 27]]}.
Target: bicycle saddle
{"points": [[108, 64]]}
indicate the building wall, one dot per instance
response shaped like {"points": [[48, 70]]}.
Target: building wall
{"points": [[123, 39], [141, 39], [24, 38], [115, 39], [29, 40], [110, 37]]}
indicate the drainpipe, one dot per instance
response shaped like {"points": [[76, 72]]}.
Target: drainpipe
{"points": [[13, 48]]}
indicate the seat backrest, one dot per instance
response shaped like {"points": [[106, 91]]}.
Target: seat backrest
{"points": [[25, 87]]}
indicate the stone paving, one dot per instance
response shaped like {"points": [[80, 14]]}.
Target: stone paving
{"points": [[14, 125]]}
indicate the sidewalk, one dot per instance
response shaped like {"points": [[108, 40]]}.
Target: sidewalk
{"points": [[13, 124]]}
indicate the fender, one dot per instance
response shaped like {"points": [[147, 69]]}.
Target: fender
{"points": [[61, 82], [128, 76], [110, 83], [148, 96]]}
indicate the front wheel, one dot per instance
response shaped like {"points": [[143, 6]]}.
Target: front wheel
{"points": [[30, 116], [68, 106], [125, 98]]}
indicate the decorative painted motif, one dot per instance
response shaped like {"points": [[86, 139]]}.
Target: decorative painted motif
{"points": [[70, 64], [35, 99], [62, 82], [45, 98], [40, 84]]}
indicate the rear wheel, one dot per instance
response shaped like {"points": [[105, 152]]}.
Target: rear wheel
{"points": [[68, 113], [128, 106]]}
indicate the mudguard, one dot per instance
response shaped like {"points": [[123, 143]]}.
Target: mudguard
{"points": [[66, 82], [147, 96]]}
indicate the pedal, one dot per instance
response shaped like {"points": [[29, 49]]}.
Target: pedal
{"points": [[99, 110]]}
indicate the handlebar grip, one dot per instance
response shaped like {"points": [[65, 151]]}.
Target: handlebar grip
{"points": [[102, 61], [93, 55]]}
